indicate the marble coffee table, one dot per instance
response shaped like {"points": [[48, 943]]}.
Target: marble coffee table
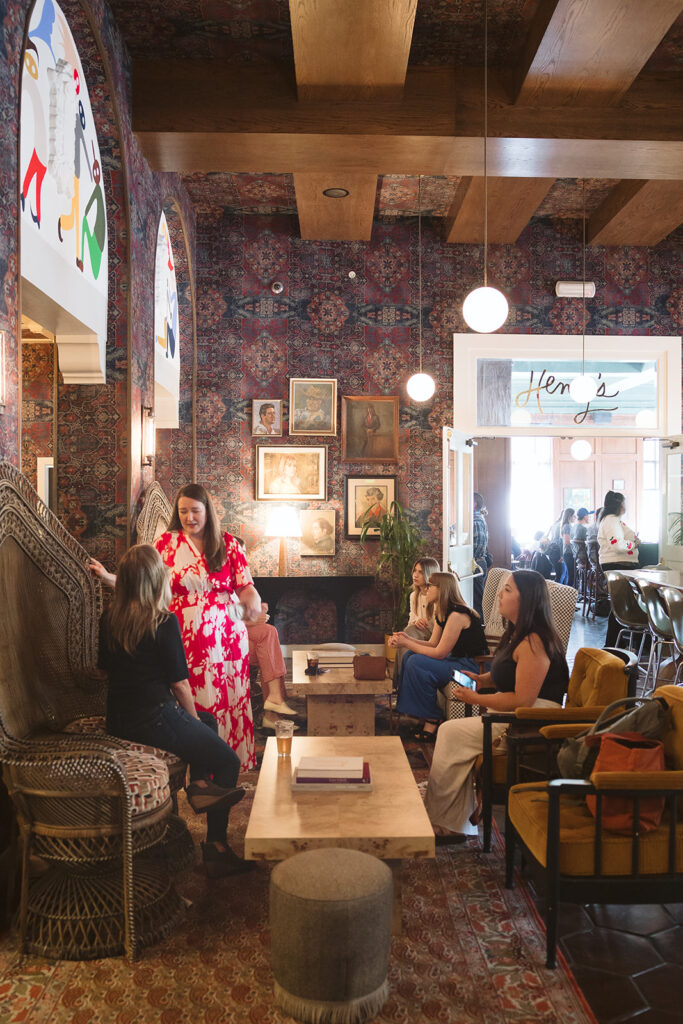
{"points": [[390, 822], [337, 704]]}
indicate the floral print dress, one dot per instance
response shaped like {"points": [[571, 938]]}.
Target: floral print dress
{"points": [[216, 646]]}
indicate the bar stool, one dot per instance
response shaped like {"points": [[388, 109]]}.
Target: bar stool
{"points": [[673, 602], [660, 629], [581, 570], [632, 618]]}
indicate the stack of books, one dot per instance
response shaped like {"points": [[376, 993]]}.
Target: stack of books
{"points": [[331, 774]]}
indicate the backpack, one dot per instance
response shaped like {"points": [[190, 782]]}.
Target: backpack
{"points": [[649, 716]]}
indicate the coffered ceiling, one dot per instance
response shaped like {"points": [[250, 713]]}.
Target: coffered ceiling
{"points": [[263, 104]]}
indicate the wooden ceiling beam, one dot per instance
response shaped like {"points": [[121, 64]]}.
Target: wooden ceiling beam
{"points": [[343, 219], [637, 213], [511, 204], [589, 52], [355, 50]]}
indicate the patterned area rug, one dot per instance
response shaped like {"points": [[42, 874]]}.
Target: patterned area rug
{"points": [[470, 952]]}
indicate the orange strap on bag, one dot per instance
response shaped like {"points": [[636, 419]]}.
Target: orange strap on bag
{"points": [[628, 752]]}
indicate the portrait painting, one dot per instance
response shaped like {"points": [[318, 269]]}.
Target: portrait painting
{"points": [[312, 405], [370, 428], [366, 500], [291, 473], [317, 531], [266, 417]]}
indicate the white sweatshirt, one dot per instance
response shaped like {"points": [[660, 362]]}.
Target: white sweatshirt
{"points": [[616, 542]]}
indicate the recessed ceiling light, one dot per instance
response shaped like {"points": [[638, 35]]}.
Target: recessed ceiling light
{"points": [[335, 193]]}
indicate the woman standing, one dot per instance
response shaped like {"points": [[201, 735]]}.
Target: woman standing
{"points": [[529, 669], [457, 637], [618, 547], [568, 519]]}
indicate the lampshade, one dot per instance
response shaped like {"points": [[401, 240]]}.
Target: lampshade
{"points": [[148, 436], [580, 450], [420, 387], [485, 309], [282, 521], [583, 388]]}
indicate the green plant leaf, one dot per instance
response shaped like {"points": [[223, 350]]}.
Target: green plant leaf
{"points": [[400, 545]]}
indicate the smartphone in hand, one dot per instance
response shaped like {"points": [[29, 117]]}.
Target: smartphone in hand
{"points": [[462, 680]]}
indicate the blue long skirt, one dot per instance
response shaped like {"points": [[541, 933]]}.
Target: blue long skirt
{"points": [[420, 678]]}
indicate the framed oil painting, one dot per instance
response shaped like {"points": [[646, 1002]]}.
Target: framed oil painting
{"points": [[312, 405], [266, 417], [291, 473], [370, 428], [317, 531], [366, 499]]}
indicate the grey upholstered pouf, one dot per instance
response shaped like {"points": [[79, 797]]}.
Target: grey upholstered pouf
{"points": [[330, 926]]}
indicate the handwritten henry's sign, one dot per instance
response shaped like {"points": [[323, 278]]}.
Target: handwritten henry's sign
{"points": [[549, 384]]}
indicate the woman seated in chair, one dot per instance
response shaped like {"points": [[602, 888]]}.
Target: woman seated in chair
{"points": [[529, 669], [457, 637], [421, 609], [149, 698]]}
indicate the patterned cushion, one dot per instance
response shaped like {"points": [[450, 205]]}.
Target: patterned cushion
{"points": [[147, 779], [96, 726]]}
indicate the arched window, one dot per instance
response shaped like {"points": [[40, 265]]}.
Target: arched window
{"points": [[166, 332], [63, 208]]}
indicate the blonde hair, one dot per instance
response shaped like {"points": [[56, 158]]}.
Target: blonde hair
{"points": [[449, 594], [141, 598], [429, 567]]}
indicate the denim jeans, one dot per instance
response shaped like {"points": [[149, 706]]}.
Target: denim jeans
{"points": [[420, 678], [170, 727]]}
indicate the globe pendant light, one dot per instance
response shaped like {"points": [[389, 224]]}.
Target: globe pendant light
{"points": [[485, 309], [580, 450], [420, 386], [583, 388]]}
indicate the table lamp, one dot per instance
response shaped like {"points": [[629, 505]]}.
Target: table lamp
{"points": [[282, 521]]}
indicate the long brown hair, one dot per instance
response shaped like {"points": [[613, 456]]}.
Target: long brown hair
{"points": [[535, 615], [450, 596], [142, 595], [214, 545], [429, 567]]}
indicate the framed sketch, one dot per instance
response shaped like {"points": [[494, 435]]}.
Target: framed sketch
{"points": [[370, 428], [317, 531], [366, 499], [266, 417], [291, 473], [312, 405]]}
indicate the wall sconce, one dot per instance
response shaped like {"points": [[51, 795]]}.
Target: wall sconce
{"points": [[148, 435], [3, 373], [282, 521]]}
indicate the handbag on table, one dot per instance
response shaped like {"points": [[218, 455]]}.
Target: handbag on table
{"points": [[369, 666]]}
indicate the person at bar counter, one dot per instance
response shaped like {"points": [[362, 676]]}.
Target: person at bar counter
{"points": [[618, 547], [149, 698], [529, 669], [210, 580]]}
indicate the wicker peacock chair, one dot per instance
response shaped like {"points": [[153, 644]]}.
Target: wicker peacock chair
{"points": [[155, 514], [88, 804]]}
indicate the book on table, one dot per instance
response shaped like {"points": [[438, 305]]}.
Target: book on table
{"points": [[332, 783], [347, 768]]}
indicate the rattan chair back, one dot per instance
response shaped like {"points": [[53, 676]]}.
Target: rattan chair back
{"points": [[48, 630], [155, 515]]}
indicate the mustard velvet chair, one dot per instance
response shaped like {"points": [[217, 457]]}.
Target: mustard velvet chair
{"points": [[581, 861], [598, 677]]}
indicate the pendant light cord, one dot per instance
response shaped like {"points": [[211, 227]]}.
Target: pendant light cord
{"points": [[419, 263], [486, 131], [583, 282]]}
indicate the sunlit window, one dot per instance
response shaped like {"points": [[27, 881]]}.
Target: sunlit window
{"points": [[648, 526], [532, 506]]}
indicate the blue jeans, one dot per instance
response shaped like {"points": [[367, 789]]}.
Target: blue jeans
{"points": [[170, 727], [420, 678]]}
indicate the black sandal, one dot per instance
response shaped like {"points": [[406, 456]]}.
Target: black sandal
{"points": [[426, 736]]}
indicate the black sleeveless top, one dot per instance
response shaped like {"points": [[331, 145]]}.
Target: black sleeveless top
{"points": [[503, 671], [472, 640]]}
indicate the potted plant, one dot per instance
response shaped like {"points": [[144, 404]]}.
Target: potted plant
{"points": [[400, 546]]}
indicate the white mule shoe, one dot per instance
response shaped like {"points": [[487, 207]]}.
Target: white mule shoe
{"points": [[280, 709]]}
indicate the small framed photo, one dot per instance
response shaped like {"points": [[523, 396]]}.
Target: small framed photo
{"points": [[366, 499], [370, 428], [317, 531], [312, 405], [266, 417], [291, 473]]}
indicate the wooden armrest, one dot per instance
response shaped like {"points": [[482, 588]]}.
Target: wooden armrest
{"points": [[637, 780], [563, 732], [559, 715]]}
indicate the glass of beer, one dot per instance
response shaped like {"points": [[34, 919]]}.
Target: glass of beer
{"points": [[283, 734], [312, 662]]}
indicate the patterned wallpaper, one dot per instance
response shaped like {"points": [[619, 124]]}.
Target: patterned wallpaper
{"points": [[37, 389]]}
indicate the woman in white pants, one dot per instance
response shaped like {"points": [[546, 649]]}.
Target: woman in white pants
{"points": [[529, 669]]}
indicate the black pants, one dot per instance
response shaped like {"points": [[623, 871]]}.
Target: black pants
{"points": [[613, 626]]}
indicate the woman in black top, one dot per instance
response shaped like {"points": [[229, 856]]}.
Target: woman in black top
{"points": [[149, 698], [529, 669], [458, 636]]}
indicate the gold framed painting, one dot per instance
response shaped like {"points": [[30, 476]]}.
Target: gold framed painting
{"points": [[266, 417], [312, 406], [366, 500], [370, 428], [288, 472]]}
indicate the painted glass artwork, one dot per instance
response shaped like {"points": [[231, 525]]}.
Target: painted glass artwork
{"points": [[166, 332]]}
